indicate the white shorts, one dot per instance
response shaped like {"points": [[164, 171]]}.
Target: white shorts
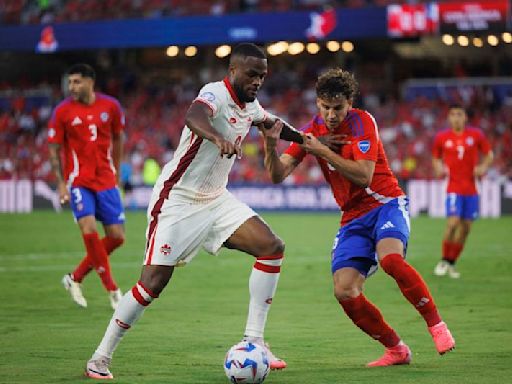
{"points": [[182, 228]]}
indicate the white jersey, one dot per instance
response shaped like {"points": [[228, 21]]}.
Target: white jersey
{"points": [[197, 172]]}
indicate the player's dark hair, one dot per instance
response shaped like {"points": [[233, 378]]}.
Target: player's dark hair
{"points": [[456, 106], [336, 82], [248, 49], [83, 69]]}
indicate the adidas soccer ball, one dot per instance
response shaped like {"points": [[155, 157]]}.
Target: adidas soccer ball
{"points": [[246, 363]]}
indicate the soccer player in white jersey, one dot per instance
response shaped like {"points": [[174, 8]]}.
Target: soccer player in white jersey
{"points": [[191, 207]]}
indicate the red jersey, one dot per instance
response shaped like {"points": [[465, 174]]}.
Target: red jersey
{"points": [[361, 129], [85, 133], [460, 152]]}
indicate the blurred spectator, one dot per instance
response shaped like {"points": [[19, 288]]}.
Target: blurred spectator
{"points": [[155, 110], [49, 11], [150, 172]]}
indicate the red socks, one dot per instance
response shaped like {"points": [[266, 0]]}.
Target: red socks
{"points": [[412, 286], [99, 258], [85, 266], [451, 251], [367, 317]]}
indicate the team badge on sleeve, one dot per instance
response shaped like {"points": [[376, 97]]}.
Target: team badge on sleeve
{"points": [[104, 117], [208, 96], [364, 146]]}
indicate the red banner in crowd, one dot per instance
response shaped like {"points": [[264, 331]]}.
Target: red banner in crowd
{"points": [[406, 20], [468, 16]]}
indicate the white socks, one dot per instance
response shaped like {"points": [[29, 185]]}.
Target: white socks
{"points": [[128, 311], [262, 287]]}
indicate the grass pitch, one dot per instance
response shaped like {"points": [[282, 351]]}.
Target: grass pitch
{"points": [[183, 336]]}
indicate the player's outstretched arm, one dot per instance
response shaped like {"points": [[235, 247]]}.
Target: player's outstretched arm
{"points": [[117, 153], [197, 119], [288, 133], [359, 172], [279, 167], [481, 169], [437, 166], [62, 190]]}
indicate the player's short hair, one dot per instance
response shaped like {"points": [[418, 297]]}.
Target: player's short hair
{"points": [[336, 82], [83, 69], [456, 106], [248, 49]]}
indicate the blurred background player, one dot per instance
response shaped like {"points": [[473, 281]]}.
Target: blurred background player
{"points": [[375, 217], [191, 208], [459, 148], [88, 127]]}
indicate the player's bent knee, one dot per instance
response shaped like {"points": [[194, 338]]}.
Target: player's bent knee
{"points": [[342, 292], [156, 277], [269, 246], [278, 246], [118, 240]]}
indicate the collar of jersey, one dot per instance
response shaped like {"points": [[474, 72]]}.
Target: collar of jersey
{"points": [[232, 93]]}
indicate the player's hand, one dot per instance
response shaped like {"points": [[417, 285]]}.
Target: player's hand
{"points": [[480, 171], [273, 133], [334, 142], [313, 145], [62, 189], [227, 148]]}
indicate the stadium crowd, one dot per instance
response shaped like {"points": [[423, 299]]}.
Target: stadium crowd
{"points": [[58, 11], [155, 115]]}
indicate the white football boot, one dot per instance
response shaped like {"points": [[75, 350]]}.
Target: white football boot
{"points": [[75, 290], [98, 369], [452, 272], [441, 268], [115, 297]]}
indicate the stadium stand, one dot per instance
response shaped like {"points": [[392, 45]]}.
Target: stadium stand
{"points": [[58, 11], [155, 115]]}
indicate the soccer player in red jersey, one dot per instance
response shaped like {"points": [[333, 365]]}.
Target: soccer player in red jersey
{"points": [[459, 148], [375, 218], [87, 127]]}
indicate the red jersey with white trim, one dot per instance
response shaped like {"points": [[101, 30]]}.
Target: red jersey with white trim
{"points": [[460, 152], [361, 129], [85, 133]]}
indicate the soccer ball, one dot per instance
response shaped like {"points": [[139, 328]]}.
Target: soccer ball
{"points": [[246, 363]]}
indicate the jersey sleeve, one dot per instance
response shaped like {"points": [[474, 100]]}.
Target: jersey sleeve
{"points": [[56, 127], [260, 114], [483, 144], [118, 121], [211, 96], [437, 148], [295, 150], [365, 141]]}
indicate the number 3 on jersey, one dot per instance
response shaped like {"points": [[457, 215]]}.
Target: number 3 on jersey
{"points": [[94, 132]]}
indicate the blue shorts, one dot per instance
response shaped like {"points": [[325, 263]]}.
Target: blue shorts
{"points": [[354, 245], [105, 205], [463, 206]]}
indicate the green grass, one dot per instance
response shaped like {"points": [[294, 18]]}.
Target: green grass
{"points": [[183, 336]]}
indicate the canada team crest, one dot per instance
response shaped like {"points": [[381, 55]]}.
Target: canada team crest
{"points": [[165, 249]]}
